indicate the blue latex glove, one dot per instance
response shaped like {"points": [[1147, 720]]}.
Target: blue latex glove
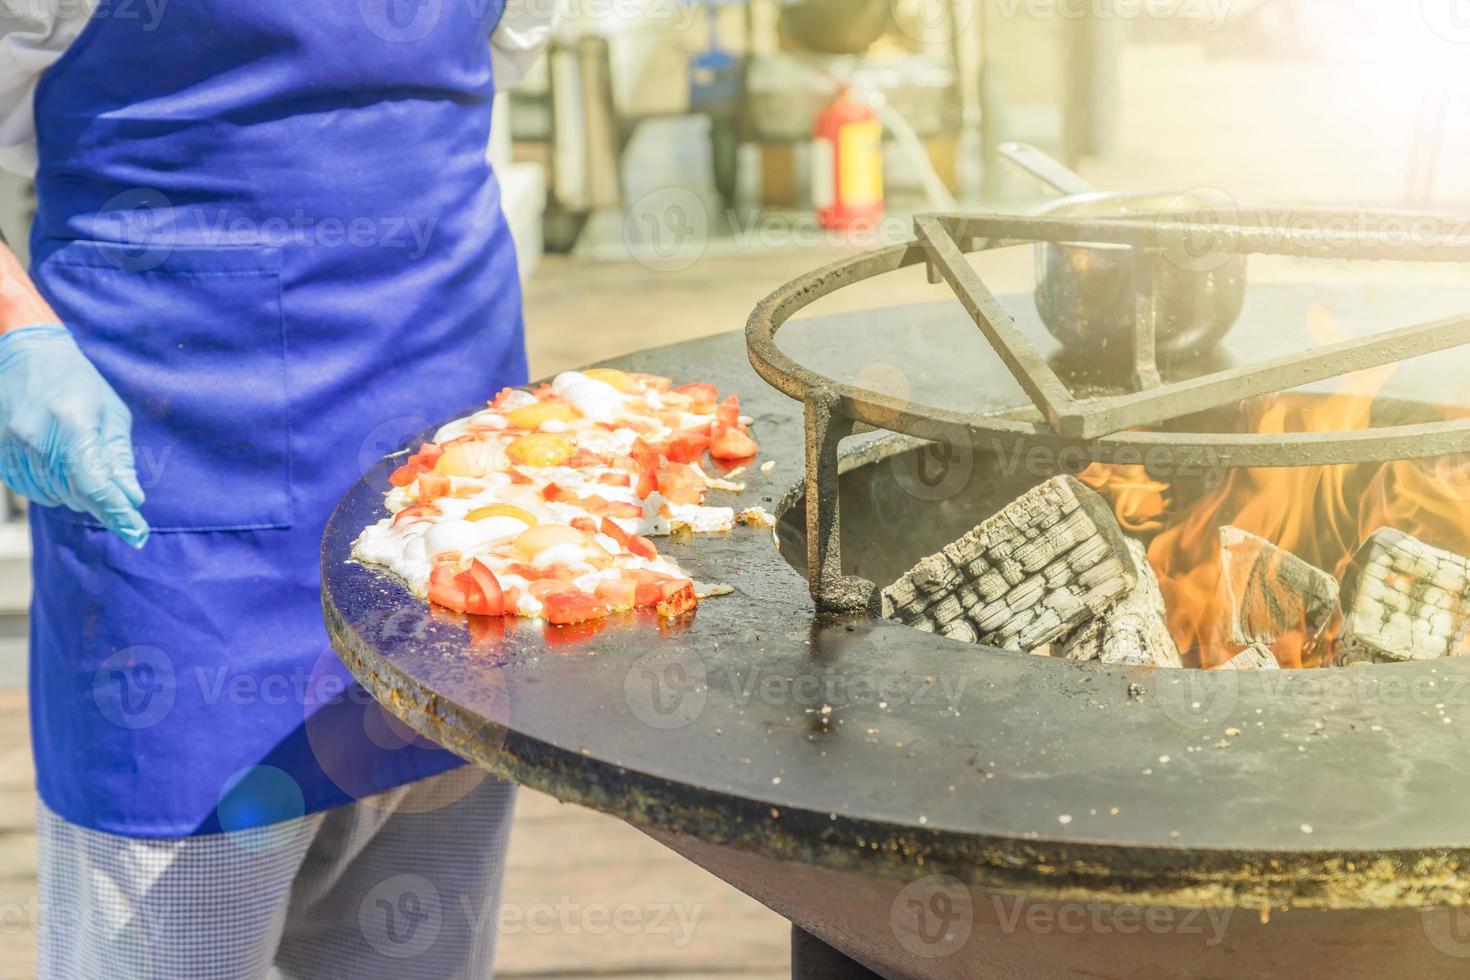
{"points": [[65, 436]]}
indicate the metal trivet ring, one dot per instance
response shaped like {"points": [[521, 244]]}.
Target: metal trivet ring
{"points": [[1099, 430]]}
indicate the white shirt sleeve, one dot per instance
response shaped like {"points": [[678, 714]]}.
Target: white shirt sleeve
{"points": [[33, 36], [524, 30]]}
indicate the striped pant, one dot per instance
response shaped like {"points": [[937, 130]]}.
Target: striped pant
{"points": [[404, 885]]}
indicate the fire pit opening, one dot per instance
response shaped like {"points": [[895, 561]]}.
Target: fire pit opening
{"points": [[1345, 565]]}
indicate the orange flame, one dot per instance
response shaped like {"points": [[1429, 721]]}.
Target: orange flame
{"points": [[1321, 514]]}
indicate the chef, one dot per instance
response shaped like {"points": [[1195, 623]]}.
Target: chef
{"points": [[267, 243]]}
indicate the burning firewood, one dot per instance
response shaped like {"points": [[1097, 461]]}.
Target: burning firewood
{"points": [[1269, 592], [1135, 631], [1406, 600], [1047, 563], [1256, 657]]}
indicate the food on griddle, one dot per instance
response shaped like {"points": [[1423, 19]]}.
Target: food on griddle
{"points": [[543, 503]]}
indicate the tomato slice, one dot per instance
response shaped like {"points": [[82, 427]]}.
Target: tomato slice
{"points": [[699, 392], [482, 590], [572, 606], [731, 442], [688, 446]]}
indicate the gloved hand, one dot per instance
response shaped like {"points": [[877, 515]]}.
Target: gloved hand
{"points": [[65, 436]]}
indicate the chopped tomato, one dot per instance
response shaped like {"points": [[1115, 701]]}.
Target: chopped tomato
{"points": [[688, 446], [618, 593], [700, 392], [635, 544], [616, 479], [547, 587], [482, 590], [647, 483], [511, 599], [649, 587], [680, 484], [553, 492], [584, 524], [729, 411], [645, 454], [405, 474], [414, 512], [517, 477], [432, 486], [621, 508], [533, 574], [731, 442], [678, 598], [571, 606], [444, 589], [502, 397], [429, 453], [585, 459], [655, 381]]}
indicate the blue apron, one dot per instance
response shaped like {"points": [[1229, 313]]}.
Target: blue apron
{"points": [[272, 227]]}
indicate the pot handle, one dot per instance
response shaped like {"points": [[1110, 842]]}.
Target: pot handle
{"points": [[1044, 168]]}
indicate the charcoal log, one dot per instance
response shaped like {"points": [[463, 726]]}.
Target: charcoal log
{"points": [[1269, 592], [1256, 657], [1047, 563], [1404, 600], [1134, 631]]}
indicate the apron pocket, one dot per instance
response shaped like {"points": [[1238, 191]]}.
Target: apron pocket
{"points": [[194, 341]]}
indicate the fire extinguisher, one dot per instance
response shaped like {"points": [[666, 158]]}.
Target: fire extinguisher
{"points": [[847, 165]]}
